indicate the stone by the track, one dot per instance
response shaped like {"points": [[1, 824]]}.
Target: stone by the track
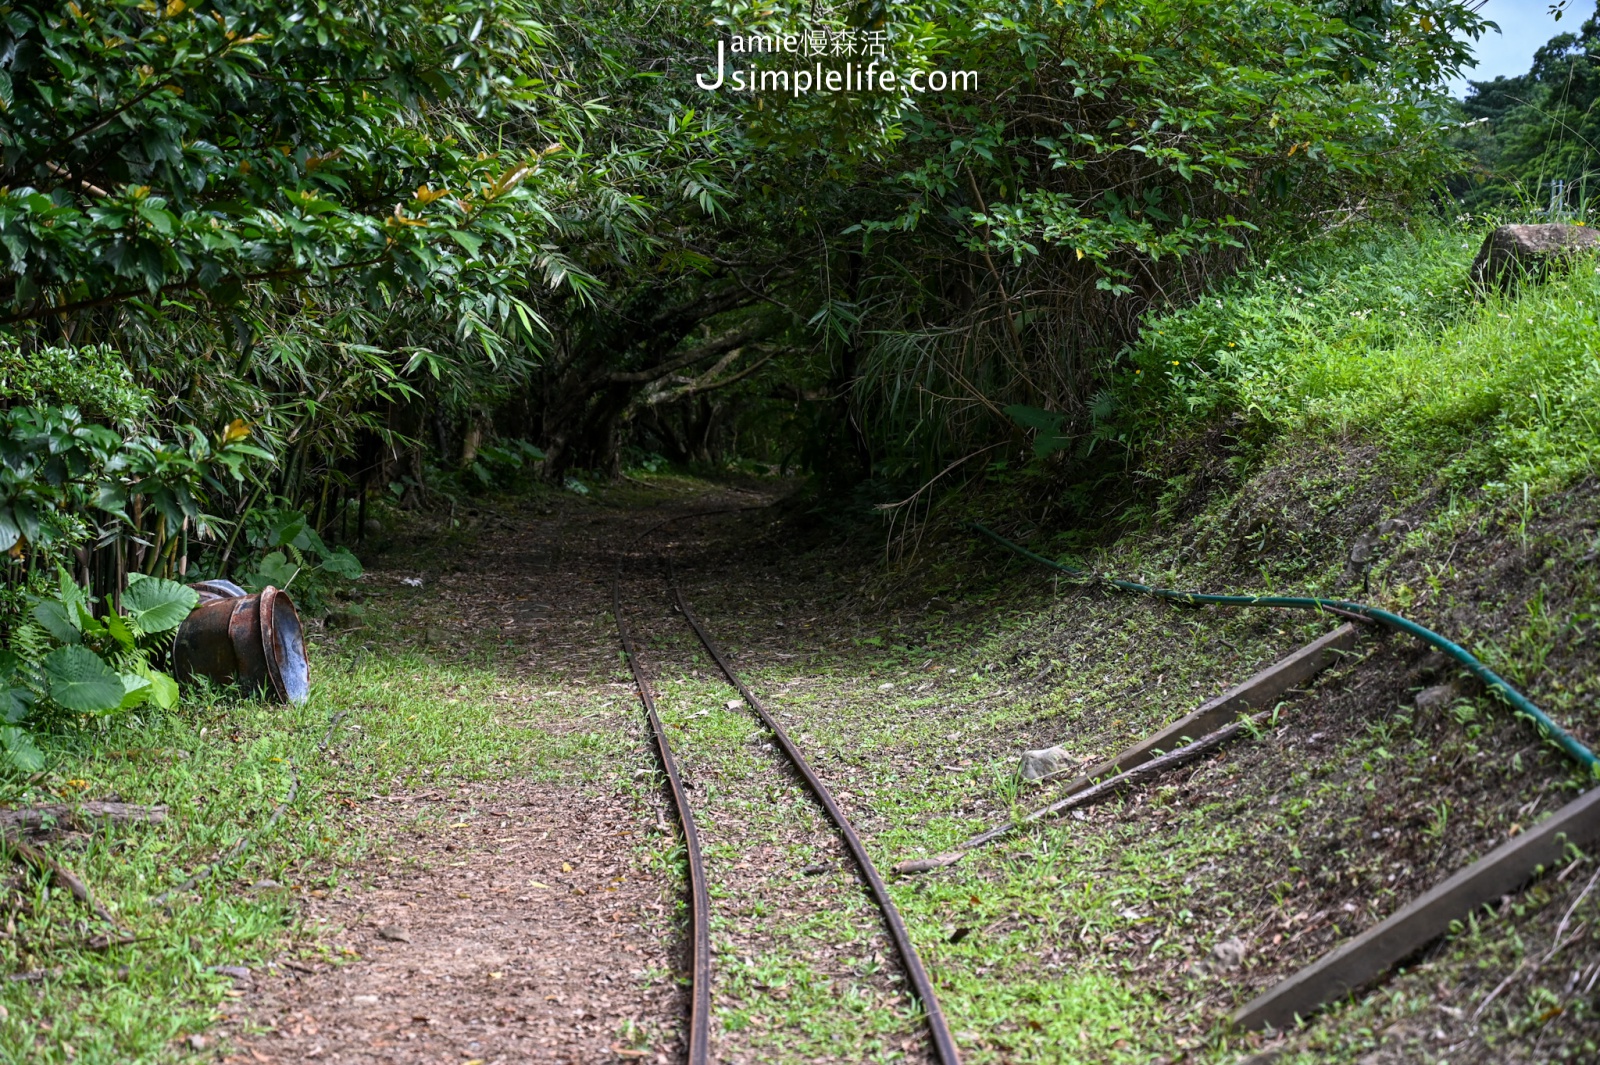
{"points": [[1511, 253]]}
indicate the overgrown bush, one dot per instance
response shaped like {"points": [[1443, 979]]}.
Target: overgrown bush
{"points": [[1378, 334], [998, 247]]}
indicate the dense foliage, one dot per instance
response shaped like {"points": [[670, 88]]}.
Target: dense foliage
{"points": [[268, 261], [999, 246]]}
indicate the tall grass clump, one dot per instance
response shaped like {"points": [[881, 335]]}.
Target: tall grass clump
{"points": [[1380, 336]]}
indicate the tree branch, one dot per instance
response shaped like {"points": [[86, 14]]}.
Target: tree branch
{"points": [[734, 338], [39, 311]]}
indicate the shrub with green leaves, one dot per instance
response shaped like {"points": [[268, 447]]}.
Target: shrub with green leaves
{"points": [[68, 665], [93, 378], [61, 475], [296, 556], [503, 465]]}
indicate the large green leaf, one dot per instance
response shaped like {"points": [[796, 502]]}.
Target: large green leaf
{"points": [[15, 702], [275, 570], [81, 682], [55, 620], [18, 750], [88, 624], [342, 563], [163, 690], [155, 604], [1048, 437], [135, 690], [119, 630], [71, 596]]}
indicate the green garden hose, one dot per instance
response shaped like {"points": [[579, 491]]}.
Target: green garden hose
{"points": [[1563, 739]]}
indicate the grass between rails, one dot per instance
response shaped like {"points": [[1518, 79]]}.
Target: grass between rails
{"points": [[885, 728]]}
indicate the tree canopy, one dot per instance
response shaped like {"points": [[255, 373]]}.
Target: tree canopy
{"points": [[375, 239], [1537, 128]]}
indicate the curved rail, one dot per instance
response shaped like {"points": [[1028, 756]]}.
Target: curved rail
{"points": [[699, 899], [944, 1045]]}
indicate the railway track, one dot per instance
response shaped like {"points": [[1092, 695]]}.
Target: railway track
{"points": [[699, 1027]]}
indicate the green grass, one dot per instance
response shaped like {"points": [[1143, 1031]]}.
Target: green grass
{"points": [[1377, 336], [221, 765]]}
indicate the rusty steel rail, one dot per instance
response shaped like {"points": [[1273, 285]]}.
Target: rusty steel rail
{"points": [[699, 899], [944, 1045]]}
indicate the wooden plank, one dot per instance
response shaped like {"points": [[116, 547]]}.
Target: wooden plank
{"points": [[1256, 693], [1369, 954], [80, 817]]}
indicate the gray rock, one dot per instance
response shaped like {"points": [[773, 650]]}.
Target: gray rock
{"points": [[1433, 664], [1229, 954], [1036, 765], [1437, 697], [1512, 253], [1367, 544]]}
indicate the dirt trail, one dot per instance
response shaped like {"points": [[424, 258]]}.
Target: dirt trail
{"points": [[473, 956], [499, 921]]}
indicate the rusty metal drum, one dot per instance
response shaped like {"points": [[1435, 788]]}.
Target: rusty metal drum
{"points": [[254, 641]]}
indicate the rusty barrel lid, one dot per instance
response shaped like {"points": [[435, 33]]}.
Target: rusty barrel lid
{"points": [[284, 642]]}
